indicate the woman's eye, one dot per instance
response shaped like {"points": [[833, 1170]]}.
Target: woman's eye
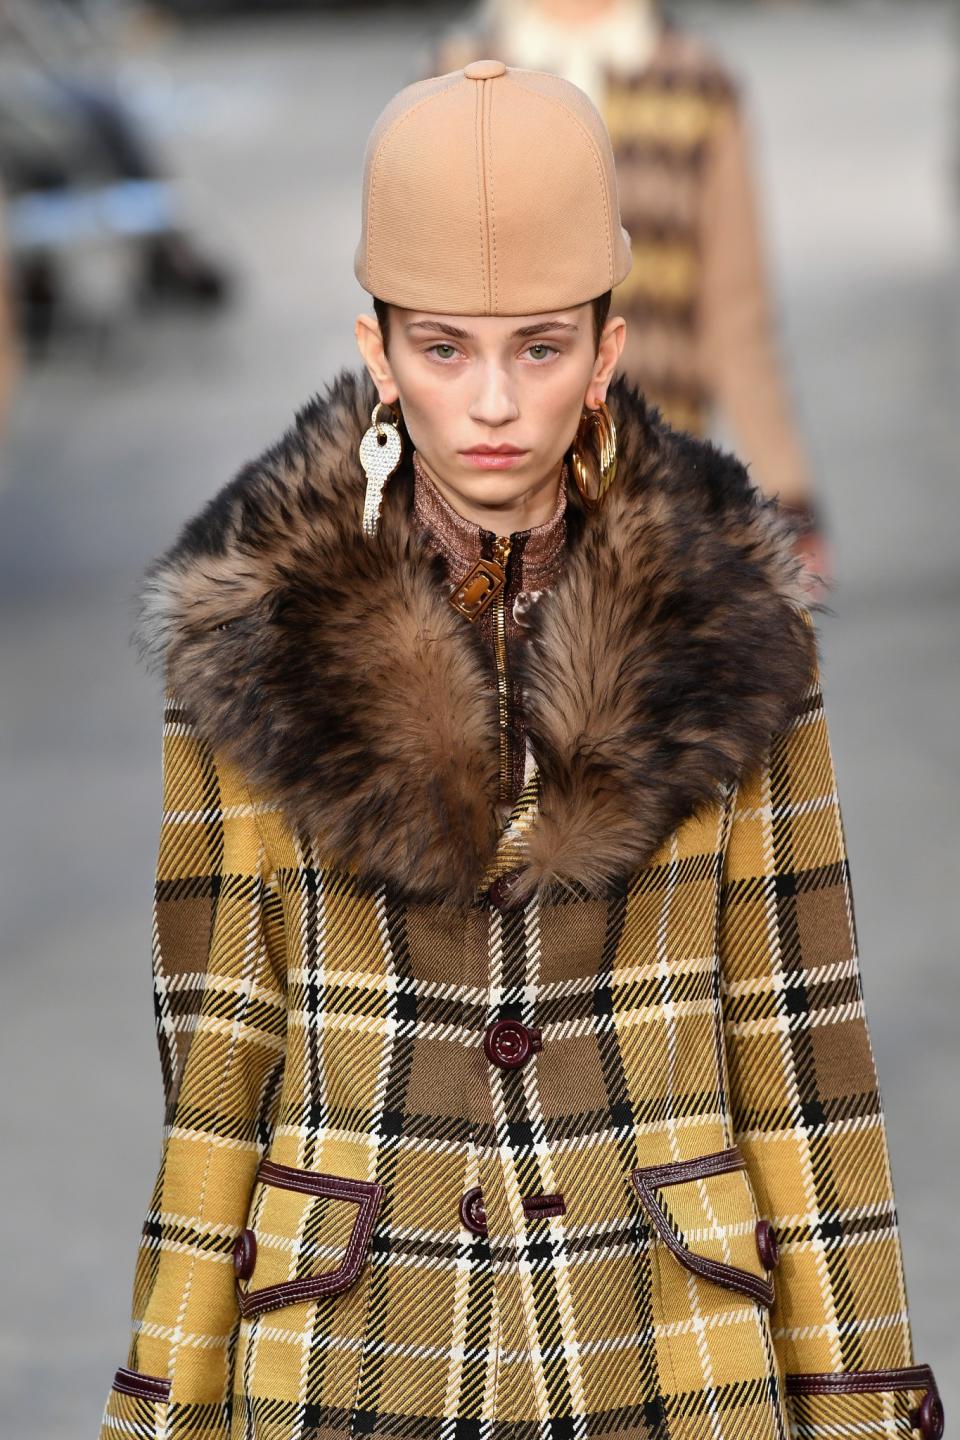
{"points": [[539, 350]]}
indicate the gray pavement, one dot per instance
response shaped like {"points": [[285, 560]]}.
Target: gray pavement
{"points": [[106, 458]]}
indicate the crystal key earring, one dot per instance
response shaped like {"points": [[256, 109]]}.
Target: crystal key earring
{"points": [[380, 451]]}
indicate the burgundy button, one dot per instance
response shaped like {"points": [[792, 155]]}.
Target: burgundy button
{"points": [[509, 1043], [928, 1417], [767, 1247], [244, 1254], [472, 1211], [500, 891]]}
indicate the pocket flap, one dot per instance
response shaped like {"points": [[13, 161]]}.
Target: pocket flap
{"points": [[861, 1401], [136, 1405], [145, 1387], [704, 1210], [308, 1236]]}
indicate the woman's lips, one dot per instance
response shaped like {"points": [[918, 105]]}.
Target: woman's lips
{"points": [[493, 459]]}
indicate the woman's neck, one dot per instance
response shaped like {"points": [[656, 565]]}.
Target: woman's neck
{"points": [[534, 507]]}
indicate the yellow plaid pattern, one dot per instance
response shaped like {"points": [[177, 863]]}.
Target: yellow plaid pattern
{"points": [[805, 1099], [218, 989], [705, 1065]]}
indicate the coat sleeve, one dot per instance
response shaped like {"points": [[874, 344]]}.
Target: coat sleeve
{"points": [[11, 349], [806, 1105], [741, 356], [219, 1001]]}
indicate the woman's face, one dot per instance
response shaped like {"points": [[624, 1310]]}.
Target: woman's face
{"points": [[469, 386]]}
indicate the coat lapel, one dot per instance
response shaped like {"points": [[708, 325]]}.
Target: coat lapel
{"points": [[332, 670], [510, 853]]}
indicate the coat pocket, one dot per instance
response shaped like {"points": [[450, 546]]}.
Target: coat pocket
{"points": [[705, 1212], [308, 1236], [136, 1406]]}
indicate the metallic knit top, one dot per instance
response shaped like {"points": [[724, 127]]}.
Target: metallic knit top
{"points": [[535, 563]]}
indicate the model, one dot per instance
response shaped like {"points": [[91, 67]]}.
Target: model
{"points": [[518, 1080]]}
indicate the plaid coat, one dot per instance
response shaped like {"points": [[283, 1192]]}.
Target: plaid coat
{"points": [[562, 1129]]}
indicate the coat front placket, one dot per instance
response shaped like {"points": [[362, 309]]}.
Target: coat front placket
{"points": [[533, 1259], [628, 1069], [508, 1129]]}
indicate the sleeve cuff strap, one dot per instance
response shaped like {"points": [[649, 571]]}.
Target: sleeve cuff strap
{"points": [[925, 1417]]}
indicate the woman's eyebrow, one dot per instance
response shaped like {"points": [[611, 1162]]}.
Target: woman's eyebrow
{"points": [[440, 325], [524, 331], [543, 325]]}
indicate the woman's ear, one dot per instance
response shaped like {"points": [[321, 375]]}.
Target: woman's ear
{"points": [[366, 330], [612, 340]]}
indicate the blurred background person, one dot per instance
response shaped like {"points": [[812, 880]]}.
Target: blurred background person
{"points": [[701, 339], [94, 217], [10, 351]]}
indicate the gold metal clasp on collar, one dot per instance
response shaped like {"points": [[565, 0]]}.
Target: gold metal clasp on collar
{"points": [[478, 588]]}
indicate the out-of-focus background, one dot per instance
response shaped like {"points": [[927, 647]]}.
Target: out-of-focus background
{"points": [[180, 209]]}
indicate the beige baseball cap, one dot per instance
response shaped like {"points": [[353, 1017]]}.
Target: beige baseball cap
{"points": [[490, 191]]}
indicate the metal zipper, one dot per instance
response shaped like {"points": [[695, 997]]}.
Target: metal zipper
{"points": [[501, 550]]}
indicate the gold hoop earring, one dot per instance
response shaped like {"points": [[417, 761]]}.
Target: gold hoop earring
{"points": [[593, 486], [380, 451]]}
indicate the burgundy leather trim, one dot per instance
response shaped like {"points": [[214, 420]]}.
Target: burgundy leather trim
{"points": [[474, 1216], [314, 1182], [365, 1194], [536, 1205], [852, 1382], [675, 1172], [647, 1179], [146, 1387]]}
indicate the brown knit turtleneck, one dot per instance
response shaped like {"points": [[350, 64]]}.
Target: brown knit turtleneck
{"points": [[536, 560]]}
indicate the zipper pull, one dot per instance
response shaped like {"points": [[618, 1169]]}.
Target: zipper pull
{"points": [[483, 582]]}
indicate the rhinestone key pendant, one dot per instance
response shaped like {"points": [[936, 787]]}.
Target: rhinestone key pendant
{"points": [[380, 451]]}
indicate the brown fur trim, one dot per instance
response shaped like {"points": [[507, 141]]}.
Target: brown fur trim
{"points": [[333, 671]]}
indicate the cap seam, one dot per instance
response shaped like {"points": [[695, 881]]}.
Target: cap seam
{"points": [[481, 191], [491, 204], [598, 166], [378, 158]]}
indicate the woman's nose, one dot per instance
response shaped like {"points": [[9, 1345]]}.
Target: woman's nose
{"points": [[493, 402]]}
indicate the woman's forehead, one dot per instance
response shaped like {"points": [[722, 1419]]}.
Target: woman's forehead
{"points": [[473, 327]]}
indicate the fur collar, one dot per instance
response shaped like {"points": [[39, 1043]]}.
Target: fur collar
{"points": [[333, 671]]}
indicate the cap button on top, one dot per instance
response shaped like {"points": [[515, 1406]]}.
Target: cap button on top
{"points": [[484, 69]]}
